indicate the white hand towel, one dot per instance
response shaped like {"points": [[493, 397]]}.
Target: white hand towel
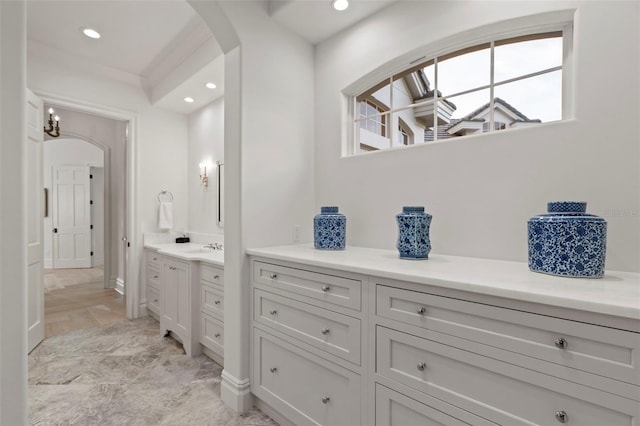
{"points": [[165, 215]]}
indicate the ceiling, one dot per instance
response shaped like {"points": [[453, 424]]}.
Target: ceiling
{"points": [[165, 44]]}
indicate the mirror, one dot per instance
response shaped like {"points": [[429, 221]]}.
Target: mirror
{"points": [[220, 195]]}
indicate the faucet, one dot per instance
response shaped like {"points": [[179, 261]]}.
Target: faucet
{"points": [[214, 246]]}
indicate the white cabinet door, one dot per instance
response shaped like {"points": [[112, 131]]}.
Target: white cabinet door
{"points": [[183, 300], [35, 249], [71, 217], [168, 296]]}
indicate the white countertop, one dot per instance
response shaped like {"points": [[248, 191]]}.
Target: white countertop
{"points": [[617, 293], [189, 251]]}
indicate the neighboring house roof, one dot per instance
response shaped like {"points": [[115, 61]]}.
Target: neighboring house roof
{"points": [[443, 131]]}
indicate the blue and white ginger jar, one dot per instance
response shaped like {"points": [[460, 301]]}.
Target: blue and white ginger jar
{"points": [[329, 229], [413, 233], [567, 241]]}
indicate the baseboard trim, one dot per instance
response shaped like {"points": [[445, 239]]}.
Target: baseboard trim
{"points": [[47, 264], [235, 393], [119, 287]]}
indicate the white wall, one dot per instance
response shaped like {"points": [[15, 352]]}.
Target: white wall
{"points": [[13, 226], [206, 144], [64, 152], [482, 189], [161, 136]]}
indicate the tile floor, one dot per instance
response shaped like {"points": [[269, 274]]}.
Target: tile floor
{"points": [[97, 368], [79, 300], [126, 374]]}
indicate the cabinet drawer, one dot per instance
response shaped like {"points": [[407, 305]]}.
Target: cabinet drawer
{"points": [[305, 388], [333, 332], [395, 409], [212, 333], [153, 300], [153, 259], [212, 274], [492, 389], [338, 290], [153, 276], [212, 301], [600, 350]]}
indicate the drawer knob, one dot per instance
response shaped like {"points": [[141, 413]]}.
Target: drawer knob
{"points": [[561, 343], [422, 366], [155, 258], [273, 369], [215, 277], [216, 335], [155, 300], [325, 331], [561, 416], [421, 310], [273, 276], [326, 288], [217, 302], [273, 312], [155, 276], [326, 399]]}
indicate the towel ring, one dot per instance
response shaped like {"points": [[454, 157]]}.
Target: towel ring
{"points": [[168, 196]]}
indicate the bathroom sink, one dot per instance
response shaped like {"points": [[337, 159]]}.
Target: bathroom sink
{"points": [[199, 250]]}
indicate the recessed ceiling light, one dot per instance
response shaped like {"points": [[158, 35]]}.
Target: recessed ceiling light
{"points": [[90, 32], [210, 85], [188, 99], [340, 5]]}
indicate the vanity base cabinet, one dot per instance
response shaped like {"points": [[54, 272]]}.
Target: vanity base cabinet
{"points": [[211, 310], [403, 353], [152, 267], [176, 310], [305, 388]]}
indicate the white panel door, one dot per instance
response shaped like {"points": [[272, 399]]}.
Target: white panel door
{"points": [[71, 217], [35, 247]]}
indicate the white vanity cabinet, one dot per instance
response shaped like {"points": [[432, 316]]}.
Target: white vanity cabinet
{"points": [[435, 353], [307, 343], [212, 311], [152, 270], [178, 314]]}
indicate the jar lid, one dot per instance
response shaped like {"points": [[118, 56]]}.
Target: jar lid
{"points": [[413, 209], [567, 207], [330, 209]]}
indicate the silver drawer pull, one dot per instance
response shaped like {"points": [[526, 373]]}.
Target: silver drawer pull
{"points": [[155, 300], [422, 366], [217, 302], [325, 400], [325, 331], [273, 276], [273, 369], [273, 312], [326, 288], [561, 343], [155, 258], [155, 277], [561, 416], [215, 277], [216, 335], [421, 310]]}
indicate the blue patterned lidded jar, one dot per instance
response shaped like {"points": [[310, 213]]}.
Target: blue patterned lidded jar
{"points": [[567, 241], [413, 233], [329, 229]]}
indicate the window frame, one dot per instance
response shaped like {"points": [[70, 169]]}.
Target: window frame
{"points": [[561, 21]]}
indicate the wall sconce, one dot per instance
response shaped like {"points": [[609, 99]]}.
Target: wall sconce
{"points": [[204, 179], [53, 131]]}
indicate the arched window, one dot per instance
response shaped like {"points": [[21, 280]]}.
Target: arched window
{"points": [[498, 84]]}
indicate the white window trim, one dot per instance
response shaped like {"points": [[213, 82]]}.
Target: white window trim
{"points": [[545, 22]]}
